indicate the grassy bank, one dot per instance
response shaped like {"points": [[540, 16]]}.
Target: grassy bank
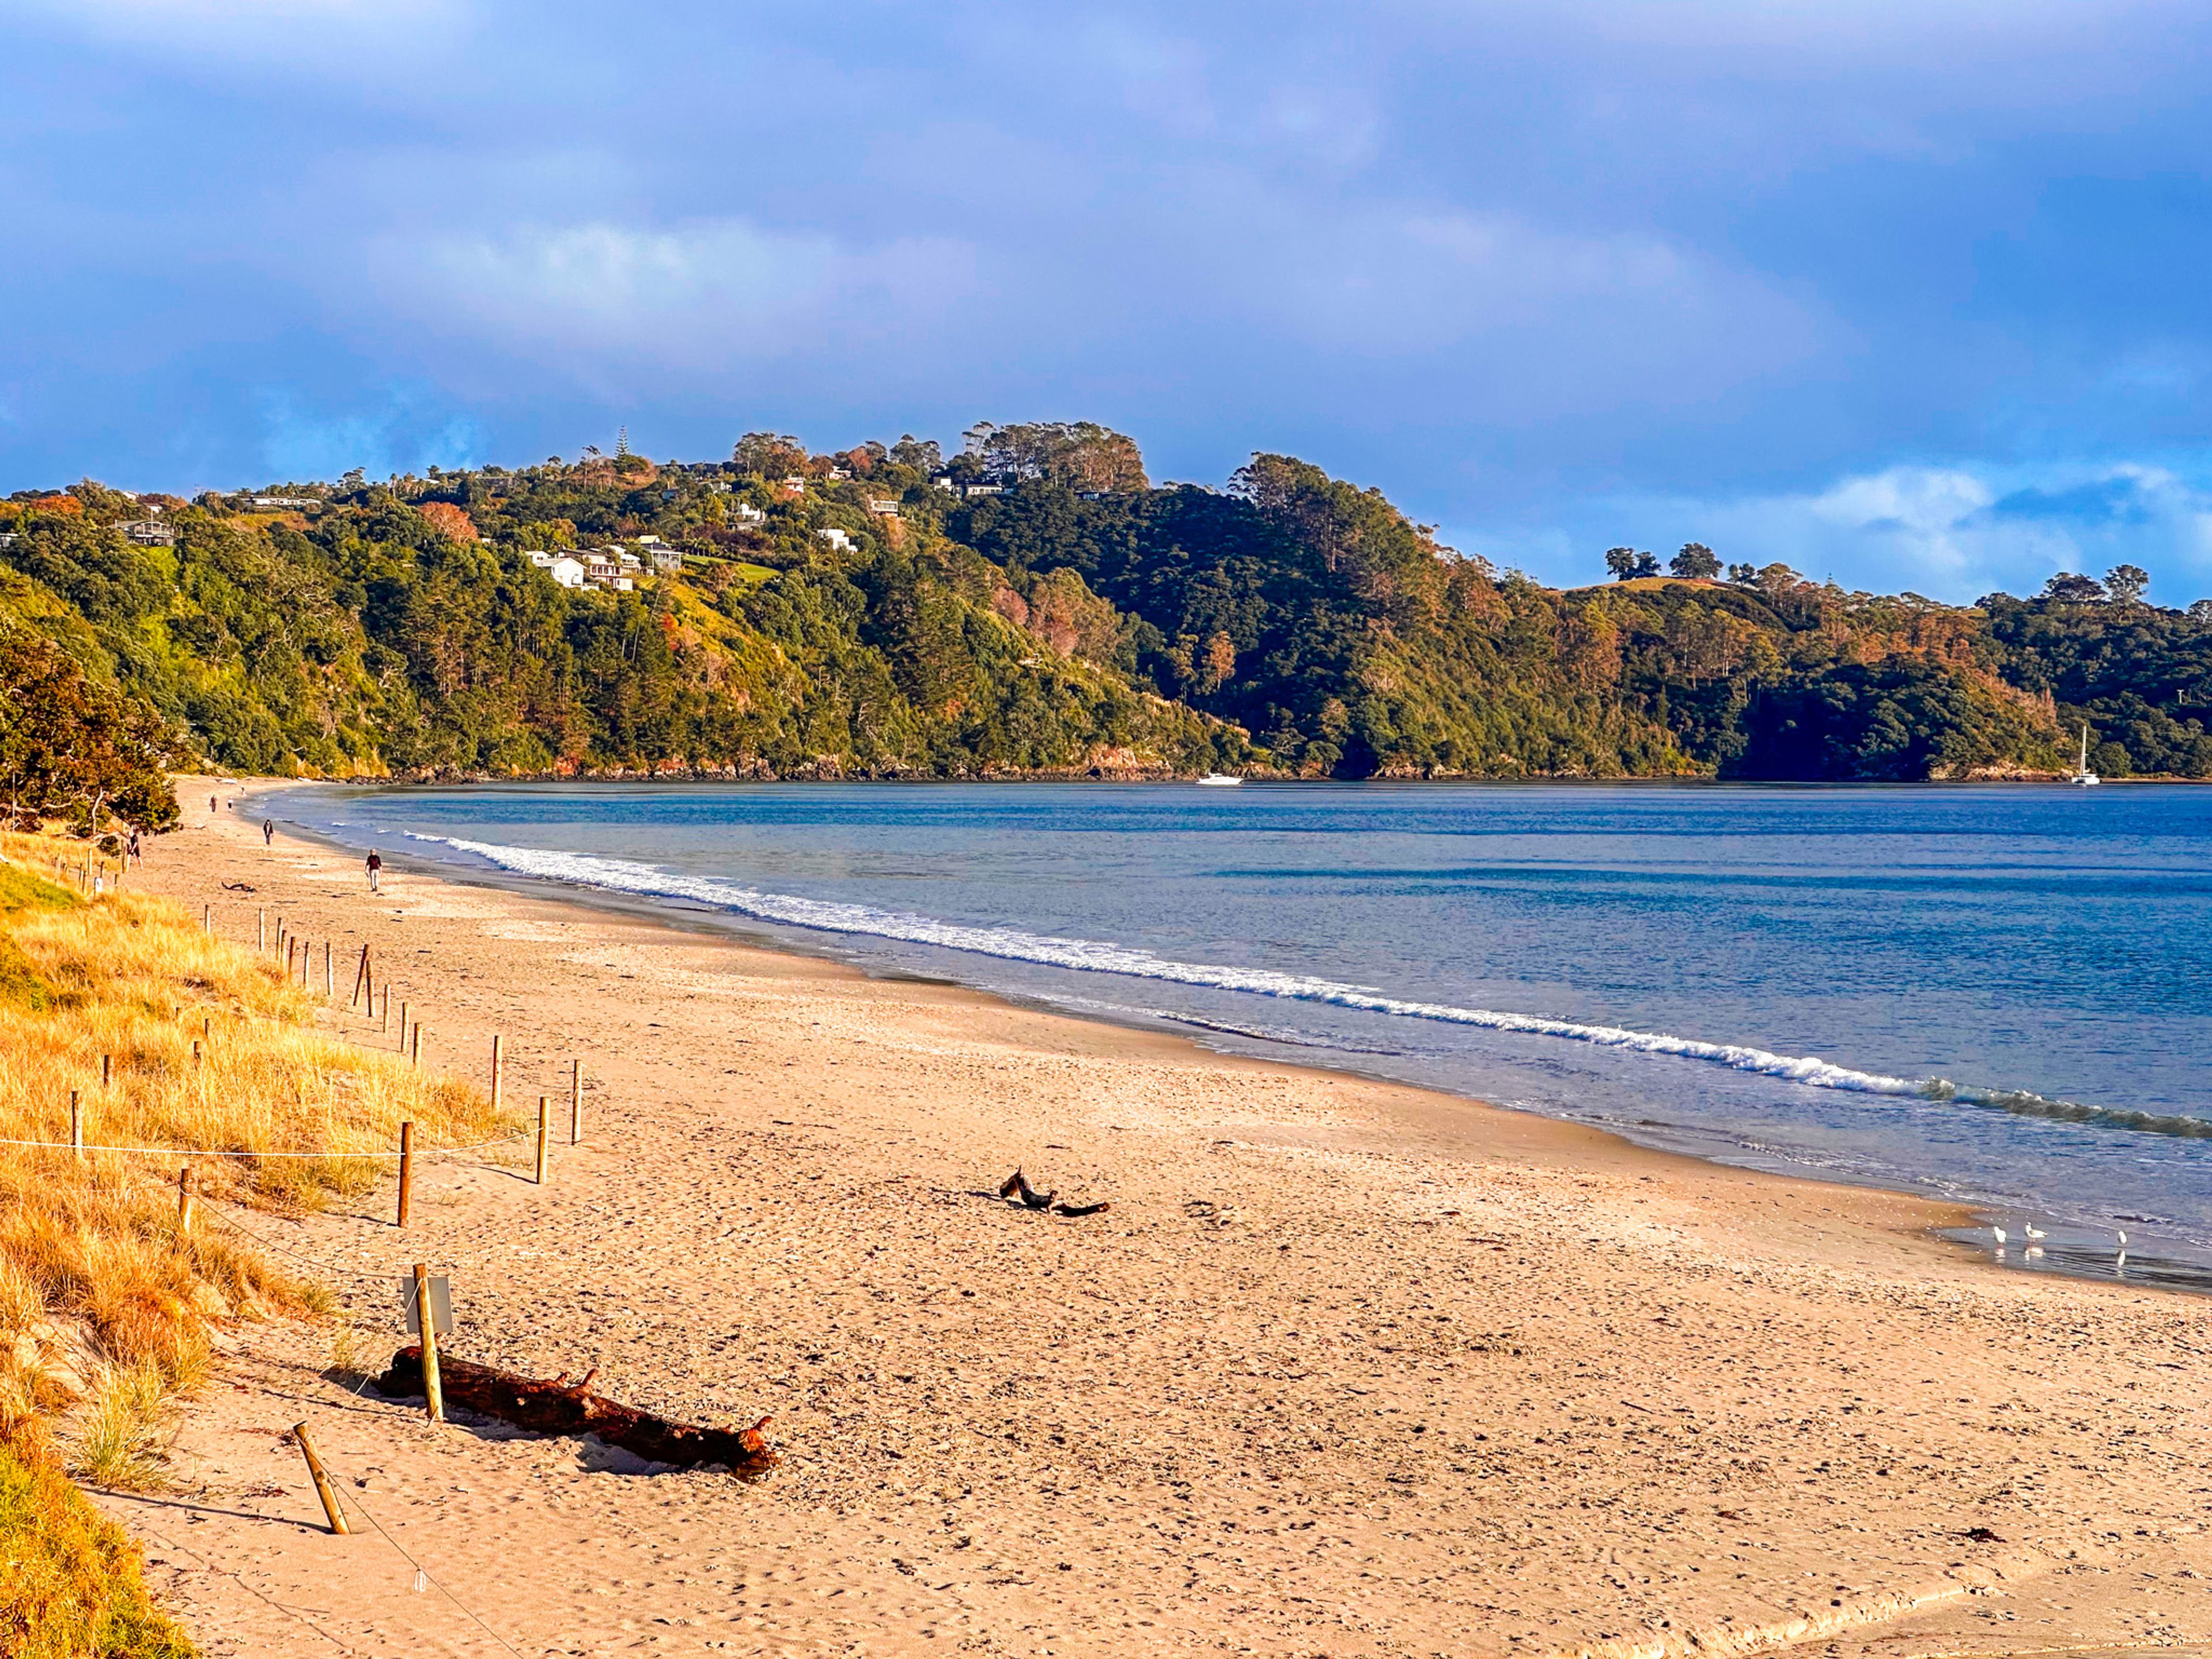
{"points": [[106, 1308]]}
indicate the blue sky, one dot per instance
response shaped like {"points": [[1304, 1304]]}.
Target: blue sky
{"points": [[1907, 294]]}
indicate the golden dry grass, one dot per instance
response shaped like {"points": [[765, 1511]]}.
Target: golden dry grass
{"points": [[89, 1247], [105, 1305]]}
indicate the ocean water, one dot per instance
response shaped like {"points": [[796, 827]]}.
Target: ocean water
{"points": [[2000, 994]]}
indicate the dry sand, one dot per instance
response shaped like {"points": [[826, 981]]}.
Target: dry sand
{"points": [[1347, 1369]]}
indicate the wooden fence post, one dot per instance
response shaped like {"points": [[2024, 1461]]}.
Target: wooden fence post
{"points": [[261, 930], [330, 984], [385, 1023], [184, 1202], [323, 1488], [76, 1126], [415, 1045], [404, 1007], [107, 1071], [498, 1071], [433, 1396], [207, 918], [406, 1168], [575, 1102], [361, 980], [544, 1134]]}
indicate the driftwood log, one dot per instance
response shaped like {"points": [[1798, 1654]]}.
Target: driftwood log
{"points": [[561, 1407], [1017, 1185]]}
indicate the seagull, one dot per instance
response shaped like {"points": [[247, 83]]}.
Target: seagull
{"points": [[2000, 1232], [2124, 1243], [2033, 1231]]}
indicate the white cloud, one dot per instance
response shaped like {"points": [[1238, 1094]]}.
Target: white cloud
{"points": [[702, 295], [1957, 531]]}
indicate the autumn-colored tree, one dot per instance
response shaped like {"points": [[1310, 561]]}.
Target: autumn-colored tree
{"points": [[450, 521], [75, 749]]}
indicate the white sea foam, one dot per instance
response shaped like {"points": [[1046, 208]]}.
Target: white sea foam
{"points": [[1089, 956]]}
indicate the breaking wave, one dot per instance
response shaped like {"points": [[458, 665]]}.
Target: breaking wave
{"points": [[1088, 956]]}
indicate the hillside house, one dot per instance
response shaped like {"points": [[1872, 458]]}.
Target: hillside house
{"points": [[883, 507], [150, 532], [748, 514], [565, 570], [666, 560], [836, 538], [794, 485]]}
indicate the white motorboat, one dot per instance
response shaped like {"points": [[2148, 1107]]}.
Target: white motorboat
{"points": [[1219, 780], [2083, 778]]}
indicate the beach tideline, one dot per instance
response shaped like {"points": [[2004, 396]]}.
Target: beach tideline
{"points": [[1347, 1368]]}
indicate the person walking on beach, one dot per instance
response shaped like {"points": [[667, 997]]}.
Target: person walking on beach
{"points": [[268, 832], [375, 869], [210, 803]]}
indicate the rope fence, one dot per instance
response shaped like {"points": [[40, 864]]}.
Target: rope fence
{"points": [[207, 1152]]}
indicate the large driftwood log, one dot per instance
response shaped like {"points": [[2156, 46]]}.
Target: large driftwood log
{"points": [[561, 1407]]}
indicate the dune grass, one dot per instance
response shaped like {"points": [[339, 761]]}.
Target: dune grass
{"points": [[105, 1307]]}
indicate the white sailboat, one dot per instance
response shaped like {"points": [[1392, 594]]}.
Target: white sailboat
{"points": [[2083, 778]]}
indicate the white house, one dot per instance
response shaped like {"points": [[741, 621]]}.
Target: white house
{"points": [[666, 560], [564, 569], [883, 507], [749, 514], [986, 489], [836, 538]]}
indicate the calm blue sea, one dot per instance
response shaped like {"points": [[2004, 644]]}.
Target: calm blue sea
{"points": [[2002, 994]]}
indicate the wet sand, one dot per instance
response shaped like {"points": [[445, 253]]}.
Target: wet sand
{"points": [[1347, 1369]]}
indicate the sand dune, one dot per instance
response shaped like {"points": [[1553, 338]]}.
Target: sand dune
{"points": [[1347, 1369]]}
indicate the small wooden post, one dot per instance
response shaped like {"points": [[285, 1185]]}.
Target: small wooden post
{"points": [[106, 1071], [323, 1487], [207, 1025], [76, 1126], [575, 1102], [404, 1007], [406, 1168], [498, 1070], [330, 984], [184, 1202], [544, 1134], [361, 980], [384, 1024], [415, 1044], [196, 1053], [207, 918], [291, 957], [261, 930], [434, 1396]]}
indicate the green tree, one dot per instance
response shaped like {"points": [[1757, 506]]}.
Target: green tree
{"points": [[1695, 559]]}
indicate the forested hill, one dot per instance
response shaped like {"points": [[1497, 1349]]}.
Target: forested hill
{"points": [[1034, 607]]}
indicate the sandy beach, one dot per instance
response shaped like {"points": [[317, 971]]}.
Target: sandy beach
{"points": [[1347, 1369]]}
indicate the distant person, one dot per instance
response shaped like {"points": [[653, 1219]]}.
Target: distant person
{"points": [[136, 856], [375, 869], [210, 803], [268, 832]]}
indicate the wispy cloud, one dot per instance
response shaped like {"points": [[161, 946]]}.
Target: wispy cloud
{"points": [[1952, 533], [695, 296]]}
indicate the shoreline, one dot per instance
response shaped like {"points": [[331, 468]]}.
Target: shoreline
{"points": [[1350, 1368], [704, 922], [1954, 1225]]}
